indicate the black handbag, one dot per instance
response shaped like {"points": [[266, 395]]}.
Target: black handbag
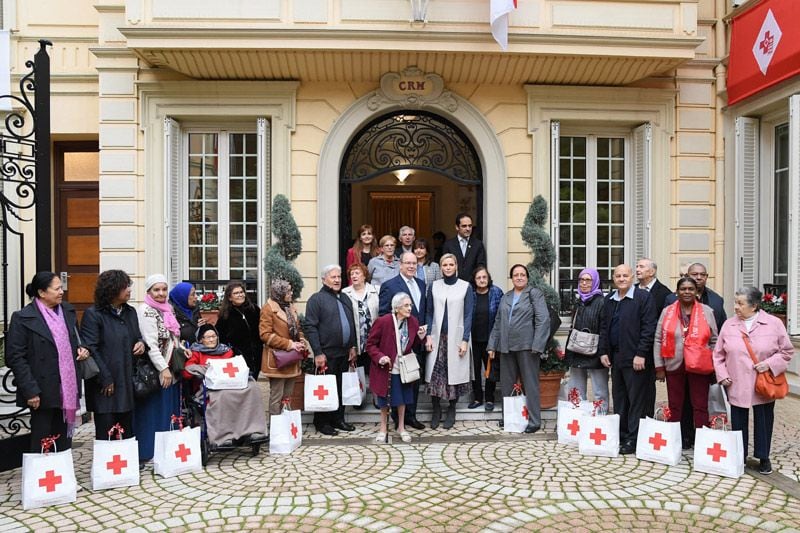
{"points": [[87, 369], [145, 377]]}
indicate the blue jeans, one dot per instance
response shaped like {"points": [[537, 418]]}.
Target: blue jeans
{"points": [[579, 376]]}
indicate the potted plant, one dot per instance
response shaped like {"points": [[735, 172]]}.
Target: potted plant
{"points": [[537, 238], [775, 305], [209, 307]]}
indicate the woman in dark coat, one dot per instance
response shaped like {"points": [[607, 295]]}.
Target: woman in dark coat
{"points": [[588, 316], [183, 299], [238, 325], [110, 330], [41, 351]]}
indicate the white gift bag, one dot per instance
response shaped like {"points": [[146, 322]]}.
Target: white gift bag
{"points": [[320, 393], [719, 452], [362, 383], [115, 463], [599, 435], [285, 431], [351, 389], [568, 424], [659, 441], [177, 452], [48, 478], [515, 414], [224, 374]]}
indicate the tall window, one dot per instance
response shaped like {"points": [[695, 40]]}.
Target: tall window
{"points": [[780, 208], [222, 205], [591, 205]]}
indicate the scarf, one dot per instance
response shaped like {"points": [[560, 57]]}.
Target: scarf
{"points": [[179, 295], [586, 296], [697, 333], [66, 365], [166, 312]]}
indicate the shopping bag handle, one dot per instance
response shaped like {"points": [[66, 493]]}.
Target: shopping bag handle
{"points": [[320, 370], [50, 442], [517, 390], [178, 419], [287, 403], [574, 397], [719, 418], [665, 411], [116, 427], [597, 408]]}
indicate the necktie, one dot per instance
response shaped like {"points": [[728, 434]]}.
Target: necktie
{"points": [[463, 246], [414, 290]]}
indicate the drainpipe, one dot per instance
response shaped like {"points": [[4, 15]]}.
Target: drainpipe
{"points": [[719, 154]]}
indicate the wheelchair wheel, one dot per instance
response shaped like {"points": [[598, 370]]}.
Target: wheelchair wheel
{"points": [[254, 449], [204, 451]]}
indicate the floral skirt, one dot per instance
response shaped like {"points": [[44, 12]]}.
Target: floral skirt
{"points": [[438, 386]]}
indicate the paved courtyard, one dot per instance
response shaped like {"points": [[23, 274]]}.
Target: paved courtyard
{"points": [[470, 478]]}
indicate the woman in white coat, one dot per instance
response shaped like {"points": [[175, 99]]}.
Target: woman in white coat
{"points": [[449, 319]]}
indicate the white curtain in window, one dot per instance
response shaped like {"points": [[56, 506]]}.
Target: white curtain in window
{"points": [[747, 204], [793, 307], [642, 174]]}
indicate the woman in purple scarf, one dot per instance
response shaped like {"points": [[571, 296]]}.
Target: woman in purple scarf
{"points": [[42, 350], [588, 317]]}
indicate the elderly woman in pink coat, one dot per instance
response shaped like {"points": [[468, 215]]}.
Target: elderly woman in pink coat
{"points": [[735, 370]]}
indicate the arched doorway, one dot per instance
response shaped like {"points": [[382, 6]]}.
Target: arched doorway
{"points": [[408, 167]]}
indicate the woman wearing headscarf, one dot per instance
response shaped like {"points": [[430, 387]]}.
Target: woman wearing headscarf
{"points": [[42, 350], [588, 316], [280, 329], [183, 299], [161, 333], [110, 330], [238, 325]]}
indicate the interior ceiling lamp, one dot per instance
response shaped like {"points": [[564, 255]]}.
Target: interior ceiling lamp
{"points": [[419, 10], [402, 175]]}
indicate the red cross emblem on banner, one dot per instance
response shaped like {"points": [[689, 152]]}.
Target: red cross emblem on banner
{"points": [[116, 464], [657, 441], [716, 452], [293, 430], [183, 453], [231, 370], [525, 412], [767, 44], [50, 480], [597, 436], [321, 392], [574, 427]]}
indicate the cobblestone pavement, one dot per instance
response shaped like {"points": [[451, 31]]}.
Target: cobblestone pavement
{"points": [[470, 478]]}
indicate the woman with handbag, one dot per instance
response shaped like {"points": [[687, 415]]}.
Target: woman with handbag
{"points": [[393, 336], [281, 332], [238, 325], [685, 337], [365, 307], [750, 359], [110, 330], [161, 334], [587, 319], [42, 351], [448, 370]]}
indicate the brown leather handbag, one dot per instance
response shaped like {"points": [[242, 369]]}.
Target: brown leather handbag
{"points": [[768, 384]]}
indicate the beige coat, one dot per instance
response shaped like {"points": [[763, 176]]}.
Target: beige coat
{"points": [[459, 369], [273, 328]]}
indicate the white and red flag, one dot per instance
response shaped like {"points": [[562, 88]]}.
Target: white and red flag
{"points": [[498, 16]]}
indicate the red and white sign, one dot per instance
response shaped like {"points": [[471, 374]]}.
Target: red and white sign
{"points": [[765, 48], [115, 463]]}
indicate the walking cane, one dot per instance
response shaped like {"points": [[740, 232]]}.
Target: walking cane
{"points": [[389, 406]]}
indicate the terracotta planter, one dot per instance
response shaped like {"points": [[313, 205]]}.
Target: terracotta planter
{"points": [[549, 385], [298, 393], [210, 317], [782, 317]]}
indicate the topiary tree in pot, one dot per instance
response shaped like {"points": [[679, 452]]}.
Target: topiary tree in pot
{"points": [[288, 245]]}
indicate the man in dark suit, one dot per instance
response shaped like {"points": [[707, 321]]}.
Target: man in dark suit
{"points": [[408, 283], [646, 271], [626, 344], [469, 251]]}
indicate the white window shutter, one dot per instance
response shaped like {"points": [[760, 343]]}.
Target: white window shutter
{"points": [[793, 305], [642, 175], [555, 137], [263, 127], [747, 203], [173, 207]]}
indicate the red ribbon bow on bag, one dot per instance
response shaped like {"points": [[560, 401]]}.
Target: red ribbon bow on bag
{"points": [[666, 412], [287, 403], [116, 427], [517, 388], [597, 408], [719, 418], [178, 419], [574, 397], [49, 442]]}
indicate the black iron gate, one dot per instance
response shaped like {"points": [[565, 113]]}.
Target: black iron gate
{"points": [[24, 194]]}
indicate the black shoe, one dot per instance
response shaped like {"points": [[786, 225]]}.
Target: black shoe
{"points": [[414, 423], [358, 407], [532, 429], [257, 438], [344, 426], [627, 448], [501, 424], [226, 444], [489, 406], [765, 467], [686, 445], [474, 404], [327, 430]]}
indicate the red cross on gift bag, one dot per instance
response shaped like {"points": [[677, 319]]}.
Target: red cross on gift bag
{"points": [[294, 430], [231, 370], [183, 453], [321, 392], [116, 464], [598, 436], [716, 452], [525, 412], [574, 427], [50, 480], [657, 441]]}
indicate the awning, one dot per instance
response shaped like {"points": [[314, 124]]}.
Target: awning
{"points": [[765, 47]]}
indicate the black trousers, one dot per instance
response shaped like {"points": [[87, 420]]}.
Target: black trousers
{"points": [[480, 360], [47, 423], [633, 394], [104, 421], [336, 367], [687, 420], [763, 420]]}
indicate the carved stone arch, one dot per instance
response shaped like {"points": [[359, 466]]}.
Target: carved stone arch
{"points": [[439, 102]]}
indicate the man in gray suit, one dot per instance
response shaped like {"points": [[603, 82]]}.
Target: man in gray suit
{"points": [[521, 331]]}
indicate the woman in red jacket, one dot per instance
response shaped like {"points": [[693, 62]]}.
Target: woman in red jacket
{"points": [[389, 333]]}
